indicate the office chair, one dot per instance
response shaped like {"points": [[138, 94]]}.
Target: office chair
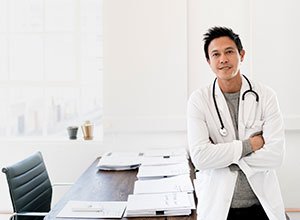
{"points": [[29, 187]]}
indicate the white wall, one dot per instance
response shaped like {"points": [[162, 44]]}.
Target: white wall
{"points": [[275, 52], [145, 65], [203, 14]]}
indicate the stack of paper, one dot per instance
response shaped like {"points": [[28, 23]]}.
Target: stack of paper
{"points": [[92, 209], [180, 183], [165, 204], [120, 161], [164, 186]]}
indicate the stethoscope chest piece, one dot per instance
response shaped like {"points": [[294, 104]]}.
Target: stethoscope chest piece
{"points": [[223, 132]]}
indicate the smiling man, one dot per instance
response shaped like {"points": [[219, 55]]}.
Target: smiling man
{"points": [[236, 138]]}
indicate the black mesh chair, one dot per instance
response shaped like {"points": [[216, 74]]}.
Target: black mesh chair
{"points": [[30, 188]]}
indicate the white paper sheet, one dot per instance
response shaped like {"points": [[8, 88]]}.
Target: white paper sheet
{"points": [[181, 183], [159, 152], [163, 160], [163, 171], [92, 209]]}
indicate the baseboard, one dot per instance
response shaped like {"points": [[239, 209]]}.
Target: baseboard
{"points": [[292, 209]]}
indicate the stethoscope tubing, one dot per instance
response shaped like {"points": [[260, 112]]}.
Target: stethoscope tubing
{"points": [[216, 105], [223, 130]]}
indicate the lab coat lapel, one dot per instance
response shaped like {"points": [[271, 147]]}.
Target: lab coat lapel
{"points": [[246, 108], [224, 111]]}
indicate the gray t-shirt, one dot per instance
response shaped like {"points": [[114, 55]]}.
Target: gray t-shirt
{"points": [[243, 195]]}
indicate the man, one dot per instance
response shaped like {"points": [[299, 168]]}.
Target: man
{"points": [[236, 138]]}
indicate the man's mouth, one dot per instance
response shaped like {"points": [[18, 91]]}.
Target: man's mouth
{"points": [[224, 67]]}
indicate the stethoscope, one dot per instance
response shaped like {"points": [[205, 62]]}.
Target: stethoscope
{"points": [[223, 131]]}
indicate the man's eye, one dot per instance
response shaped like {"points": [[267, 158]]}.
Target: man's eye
{"points": [[215, 54], [229, 51]]}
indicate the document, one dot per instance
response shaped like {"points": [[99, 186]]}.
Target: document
{"points": [[164, 204], [160, 152], [163, 160], [163, 171], [181, 183], [120, 161], [92, 209]]}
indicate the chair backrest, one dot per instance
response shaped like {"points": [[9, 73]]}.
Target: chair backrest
{"points": [[29, 185]]}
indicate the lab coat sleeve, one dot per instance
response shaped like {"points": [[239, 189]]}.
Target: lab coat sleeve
{"points": [[204, 154], [272, 154]]}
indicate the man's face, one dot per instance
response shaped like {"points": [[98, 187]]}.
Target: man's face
{"points": [[224, 58]]}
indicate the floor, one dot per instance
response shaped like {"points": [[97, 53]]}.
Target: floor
{"points": [[4, 217], [293, 216]]}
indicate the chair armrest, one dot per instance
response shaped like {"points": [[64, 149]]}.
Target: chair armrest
{"points": [[59, 189], [62, 184], [28, 214]]}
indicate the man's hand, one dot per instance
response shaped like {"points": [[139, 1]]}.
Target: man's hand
{"points": [[257, 142]]}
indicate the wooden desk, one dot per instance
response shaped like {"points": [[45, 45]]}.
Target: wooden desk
{"points": [[95, 185]]}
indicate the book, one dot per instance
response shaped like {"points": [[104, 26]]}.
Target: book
{"points": [[163, 204]]}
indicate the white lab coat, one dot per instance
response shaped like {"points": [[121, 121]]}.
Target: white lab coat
{"points": [[216, 181]]}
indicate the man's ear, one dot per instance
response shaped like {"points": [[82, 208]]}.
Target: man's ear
{"points": [[242, 54], [208, 61]]}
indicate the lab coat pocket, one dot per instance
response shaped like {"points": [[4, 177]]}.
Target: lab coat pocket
{"points": [[255, 129]]}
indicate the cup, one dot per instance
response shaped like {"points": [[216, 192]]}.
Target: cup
{"points": [[72, 131], [87, 130]]}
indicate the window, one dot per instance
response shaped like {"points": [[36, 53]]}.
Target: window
{"points": [[50, 66]]}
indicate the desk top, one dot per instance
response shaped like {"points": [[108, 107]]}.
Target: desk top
{"points": [[95, 185]]}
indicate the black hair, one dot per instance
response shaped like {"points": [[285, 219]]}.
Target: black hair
{"points": [[216, 32]]}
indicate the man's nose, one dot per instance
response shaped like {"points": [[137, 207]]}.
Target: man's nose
{"points": [[223, 58]]}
